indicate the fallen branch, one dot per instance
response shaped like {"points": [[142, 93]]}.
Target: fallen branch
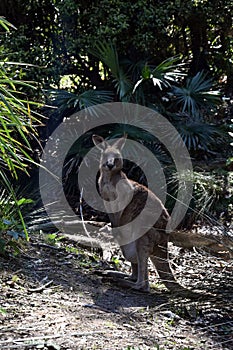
{"points": [[215, 243], [54, 223]]}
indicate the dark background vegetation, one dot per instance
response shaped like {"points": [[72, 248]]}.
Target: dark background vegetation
{"points": [[172, 56]]}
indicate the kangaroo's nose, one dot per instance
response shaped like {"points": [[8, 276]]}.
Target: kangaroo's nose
{"points": [[110, 166]]}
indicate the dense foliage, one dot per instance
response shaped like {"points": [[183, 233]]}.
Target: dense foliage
{"points": [[174, 56], [57, 35], [17, 130]]}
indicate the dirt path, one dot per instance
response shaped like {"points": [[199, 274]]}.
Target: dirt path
{"points": [[52, 299]]}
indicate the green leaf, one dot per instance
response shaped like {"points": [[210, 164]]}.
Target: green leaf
{"points": [[24, 201], [2, 311], [146, 72]]}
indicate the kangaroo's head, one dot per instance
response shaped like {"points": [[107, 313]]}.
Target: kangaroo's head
{"points": [[111, 158]]}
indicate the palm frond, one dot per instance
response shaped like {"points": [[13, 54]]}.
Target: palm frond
{"points": [[6, 24], [198, 135], [62, 104], [93, 97], [169, 70], [163, 75], [64, 99], [108, 55], [196, 94]]}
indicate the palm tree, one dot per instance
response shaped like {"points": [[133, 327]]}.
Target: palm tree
{"points": [[129, 78]]}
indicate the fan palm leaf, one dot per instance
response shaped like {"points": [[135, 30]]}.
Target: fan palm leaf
{"points": [[67, 103], [196, 95], [198, 135], [108, 55]]}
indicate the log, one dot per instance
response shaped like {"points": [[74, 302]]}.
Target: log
{"points": [[216, 240], [216, 243]]}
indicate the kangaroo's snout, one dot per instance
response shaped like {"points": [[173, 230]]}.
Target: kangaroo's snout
{"points": [[112, 162], [110, 165]]}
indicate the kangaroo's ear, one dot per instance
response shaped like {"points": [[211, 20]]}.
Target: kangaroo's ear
{"points": [[99, 142], [119, 144]]}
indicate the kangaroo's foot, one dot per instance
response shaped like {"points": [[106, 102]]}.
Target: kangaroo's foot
{"points": [[141, 287], [124, 280], [116, 275]]}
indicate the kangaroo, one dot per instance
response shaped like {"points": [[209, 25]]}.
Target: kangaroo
{"points": [[153, 243]]}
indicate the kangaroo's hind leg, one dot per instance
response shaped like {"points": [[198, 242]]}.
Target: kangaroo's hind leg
{"points": [[161, 263], [140, 283], [139, 261]]}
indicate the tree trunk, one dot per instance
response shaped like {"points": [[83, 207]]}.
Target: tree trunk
{"points": [[199, 42]]}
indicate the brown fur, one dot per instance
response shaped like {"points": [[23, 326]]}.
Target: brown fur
{"points": [[152, 244]]}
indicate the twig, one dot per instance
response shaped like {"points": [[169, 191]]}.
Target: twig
{"points": [[44, 245], [81, 212], [47, 337], [39, 289]]}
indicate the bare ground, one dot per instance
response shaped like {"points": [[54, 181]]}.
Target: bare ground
{"points": [[52, 298]]}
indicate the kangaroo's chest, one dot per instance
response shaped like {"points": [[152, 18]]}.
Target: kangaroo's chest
{"points": [[115, 190], [116, 195], [108, 191]]}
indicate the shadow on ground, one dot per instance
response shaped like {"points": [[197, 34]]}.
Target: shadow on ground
{"points": [[52, 291]]}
